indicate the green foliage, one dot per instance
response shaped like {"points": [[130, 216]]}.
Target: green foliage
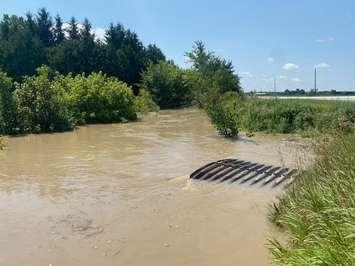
{"points": [[49, 102], [41, 107], [154, 54], [144, 102], [223, 110], [7, 106], [165, 81], [318, 211], [28, 42], [290, 116], [21, 51], [285, 116], [99, 99], [210, 73]]}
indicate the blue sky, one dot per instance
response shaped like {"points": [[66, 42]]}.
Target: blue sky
{"points": [[264, 38]]}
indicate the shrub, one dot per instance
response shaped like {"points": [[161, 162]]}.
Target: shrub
{"points": [[41, 107], [7, 106], [99, 99], [166, 84], [144, 102], [286, 116], [223, 110]]}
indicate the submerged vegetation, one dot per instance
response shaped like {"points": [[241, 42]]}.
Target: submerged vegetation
{"points": [[49, 102], [318, 211]]}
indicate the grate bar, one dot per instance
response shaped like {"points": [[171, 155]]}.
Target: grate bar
{"points": [[233, 170]]}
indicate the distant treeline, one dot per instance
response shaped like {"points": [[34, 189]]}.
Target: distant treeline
{"points": [[302, 92], [29, 42], [53, 78]]}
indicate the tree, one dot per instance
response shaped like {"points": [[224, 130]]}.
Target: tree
{"points": [[58, 33], [166, 83], [44, 27], [73, 30], [210, 73], [154, 54], [26, 43], [87, 49], [41, 106], [31, 24], [21, 52]]}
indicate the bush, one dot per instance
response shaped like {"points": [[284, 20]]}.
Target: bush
{"points": [[99, 99], [7, 106], [223, 110], [318, 211], [284, 116], [166, 84], [41, 107], [144, 102]]}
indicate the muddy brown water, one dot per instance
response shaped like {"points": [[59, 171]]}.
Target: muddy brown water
{"points": [[120, 195]]}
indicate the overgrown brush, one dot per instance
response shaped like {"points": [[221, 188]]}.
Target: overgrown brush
{"points": [[280, 116], [49, 102], [318, 211]]}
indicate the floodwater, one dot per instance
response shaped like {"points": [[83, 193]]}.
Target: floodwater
{"points": [[120, 195]]}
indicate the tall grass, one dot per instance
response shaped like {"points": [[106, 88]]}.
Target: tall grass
{"points": [[318, 212], [232, 113]]}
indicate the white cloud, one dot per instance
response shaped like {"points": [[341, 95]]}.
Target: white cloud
{"points": [[271, 60], [322, 65], [326, 40], [283, 77], [270, 79], [246, 75], [290, 66], [98, 32], [296, 80]]}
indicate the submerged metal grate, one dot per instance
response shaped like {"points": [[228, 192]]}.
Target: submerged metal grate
{"points": [[245, 172]]}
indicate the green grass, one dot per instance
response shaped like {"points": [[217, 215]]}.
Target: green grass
{"points": [[231, 114], [296, 116], [318, 212]]}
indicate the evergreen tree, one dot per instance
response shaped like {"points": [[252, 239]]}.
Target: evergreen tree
{"points": [[20, 51], [73, 30], [154, 54], [31, 24], [58, 30], [87, 49], [44, 27]]}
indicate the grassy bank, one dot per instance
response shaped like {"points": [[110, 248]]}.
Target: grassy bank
{"points": [[318, 212], [232, 113]]}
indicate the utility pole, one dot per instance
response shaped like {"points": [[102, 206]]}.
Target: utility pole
{"points": [[315, 80], [274, 86]]}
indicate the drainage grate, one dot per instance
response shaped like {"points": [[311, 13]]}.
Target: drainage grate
{"points": [[245, 172]]}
